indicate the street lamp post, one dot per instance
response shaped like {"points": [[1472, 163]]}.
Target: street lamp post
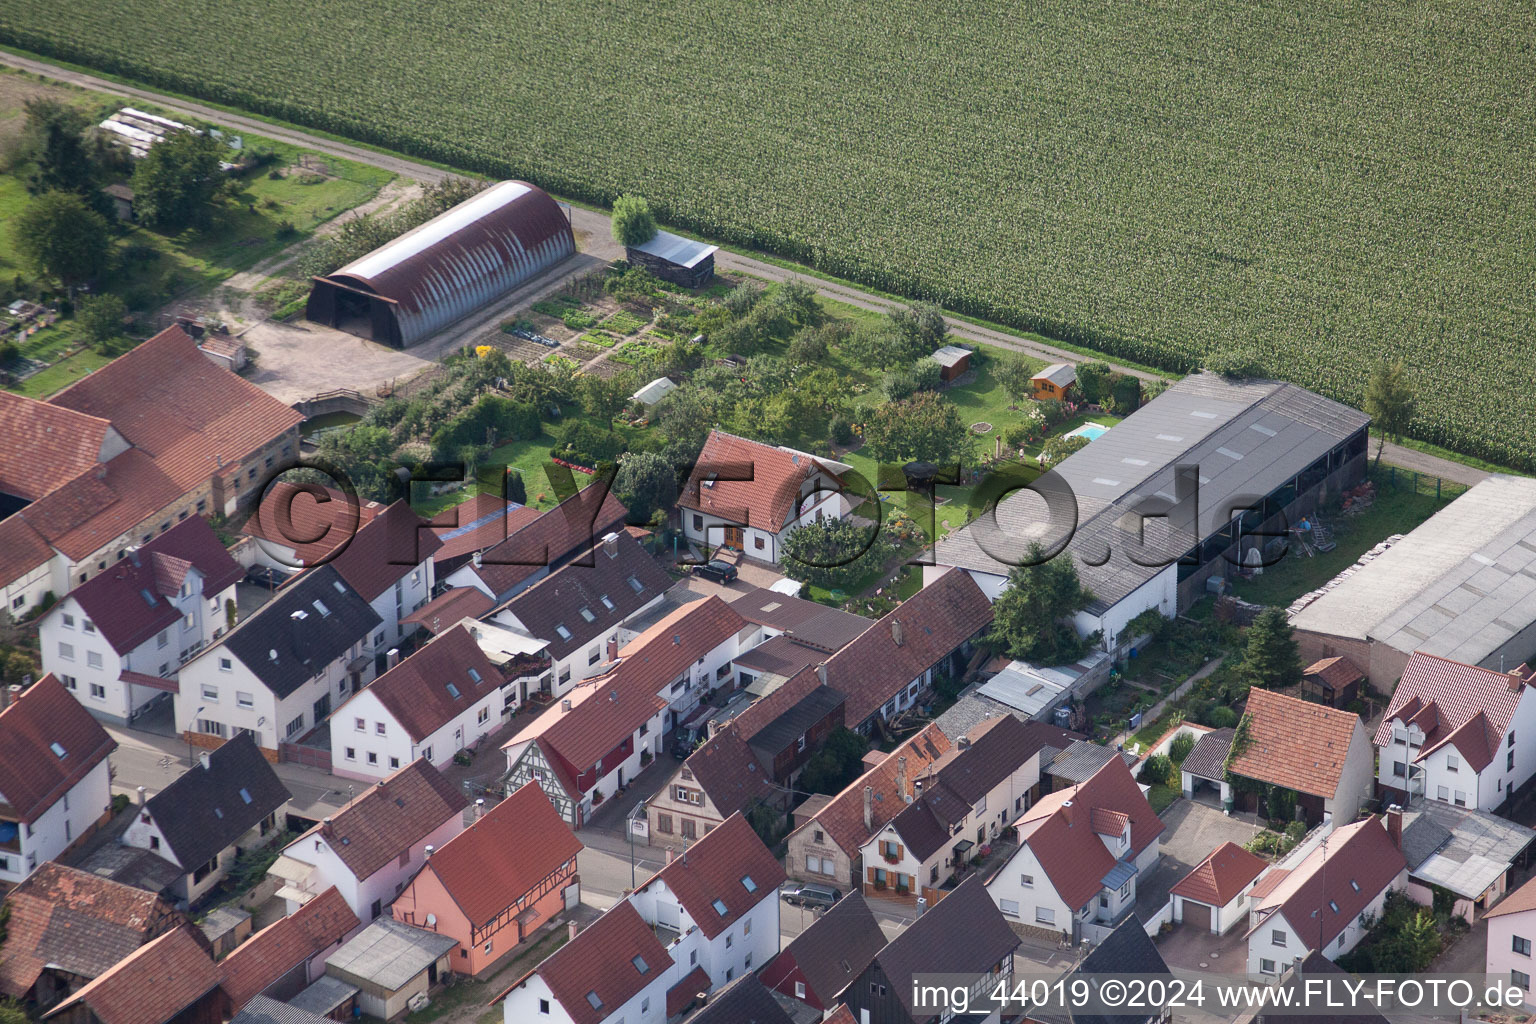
{"points": [[199, 711], [630, 828]]}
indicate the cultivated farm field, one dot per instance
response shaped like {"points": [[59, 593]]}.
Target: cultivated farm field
{"points": [[1321, 184]]}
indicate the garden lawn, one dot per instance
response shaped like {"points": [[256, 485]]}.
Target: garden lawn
{"points": [[61, 375]]}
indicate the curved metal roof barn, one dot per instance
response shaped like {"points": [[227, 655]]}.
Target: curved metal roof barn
{"points": [[452, 265]]}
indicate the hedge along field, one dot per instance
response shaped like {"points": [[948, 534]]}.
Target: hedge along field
{"points": [[1325, 183]]}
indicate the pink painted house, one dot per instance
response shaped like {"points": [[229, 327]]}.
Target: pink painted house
{"points": [[1511, 933]]}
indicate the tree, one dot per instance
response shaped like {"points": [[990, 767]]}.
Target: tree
{"points": [[1272, 658], [1032, 616], [645, 483], [832, 553], [54, 137], [603, 398], [63, 238], [1058, 448], [177, 181], [921, 328], [10, 1012], [1180, 748], [1091, 379], [633, 222], [101, 317], [836, 764], [513, 488], [1390, 402], [1125, 392], [1014, 374], [925, 426], [1159, 768]]}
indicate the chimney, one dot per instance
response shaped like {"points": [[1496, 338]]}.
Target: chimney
{"points": [[669, 855], [611, 545], [143, 797], [896, 631], [901, 777], [613, 647], [204, 760], [1068, 812], [479, 808], [325, 826], [1517, 679], [426, 853], [571, 929], [475, 558], [1395, 825], [821, 673], [963, 743], [917, 789], [712, 727], [565, 705], [392, 657], [869, 808]]}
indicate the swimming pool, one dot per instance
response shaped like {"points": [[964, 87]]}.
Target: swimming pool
{"points": [[1092, 431]]}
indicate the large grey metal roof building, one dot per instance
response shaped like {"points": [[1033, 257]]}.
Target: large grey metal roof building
{"points": [[1193, 459], [453, 264], [1462, 586]]}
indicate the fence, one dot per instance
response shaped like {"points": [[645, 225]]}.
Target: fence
{"points": [[313, 757], [1155, 923]]}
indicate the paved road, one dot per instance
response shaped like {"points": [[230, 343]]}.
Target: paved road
{"points": [[591, 228]]}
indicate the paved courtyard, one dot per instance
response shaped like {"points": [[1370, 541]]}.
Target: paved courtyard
{"points": [[1194, 830]]}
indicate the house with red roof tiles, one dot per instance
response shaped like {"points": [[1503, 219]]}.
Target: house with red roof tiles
{"points": [[747, 495], [154, 437], [370, 848], [1321, 897], [55, 782], [118, 640], [719, 900], [1081, 852], [1511, 934], [1449, 733], [289, 954], [1214, 894], [446, 696], [494, 885], [385, 554], [827, 849], [607, 728], [171, 980], [1322, 755]]}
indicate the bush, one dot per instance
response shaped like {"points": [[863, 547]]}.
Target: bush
{"points": [[1159, 768], [1221, 717], [1181, 747], [633, 222], [1296, 831], [925, 375], [586, 445], [841, 430], [1090, 381]]}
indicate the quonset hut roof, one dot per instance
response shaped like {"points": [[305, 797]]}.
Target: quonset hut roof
{"points": [[464, 257]]}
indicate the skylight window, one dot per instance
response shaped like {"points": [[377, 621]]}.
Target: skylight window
{"points": [[586, 613], [453, 691], [1354, 885], [58, 751], [474, 675], [594, 1001], [748, 884], [245, 795], [340, 587], [641, 965], [1333, 906], [321, 608], [565, 634], [149, 598], [636, 585], [606, 603], [218, 812], [719, 908]]}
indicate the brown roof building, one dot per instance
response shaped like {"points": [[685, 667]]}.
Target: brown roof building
{"points": [[1322, 754], [170, 980], [616, 958], [566, 533], [824, 959], [151, 438], [288, 955]]}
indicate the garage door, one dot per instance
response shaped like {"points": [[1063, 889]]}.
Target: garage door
{"points": [[1197, 915]]}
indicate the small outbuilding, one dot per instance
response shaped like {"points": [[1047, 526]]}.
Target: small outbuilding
{"points": [[1333, 681], [455, 263], [953, 361], [1053, 382], [1214, 895], [393, 966], [674, 258], [654, 392]]}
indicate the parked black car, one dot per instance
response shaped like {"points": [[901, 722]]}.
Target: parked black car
{"points": [[798, 894], [720, 572], [266, 576]]}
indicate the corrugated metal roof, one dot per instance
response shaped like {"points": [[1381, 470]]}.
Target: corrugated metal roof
{"points": [[684, 252], [1246, 438]]}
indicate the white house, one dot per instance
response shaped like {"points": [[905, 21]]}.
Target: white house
{"points": [[118, 640], [224, 804], [443, 698], [1322, 903], [55, 782], [747, 495], [1511, 932], [615, 970], [1215, 893], [383, 553], [372, 847], [1449, 733], [582, 609], [1081, 851], [719, 903], [279, 673]]}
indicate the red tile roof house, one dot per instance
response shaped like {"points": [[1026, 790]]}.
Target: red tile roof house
{"points": [[581, 609], [607, 728], [1081, 851], [1510, 938], [1449, 733], [288, 955], [748, 496], [1322, 902], [496, 884], [719, 901], [67, 927], [370, 848], [445, 697], [383, 554], [155, 436], [827, 849], [118, 640], [960, 803], [892, 664], [1322, 754], [564, 535], [171, 980], [55, 782], [1214, 895], [822, 960]]}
